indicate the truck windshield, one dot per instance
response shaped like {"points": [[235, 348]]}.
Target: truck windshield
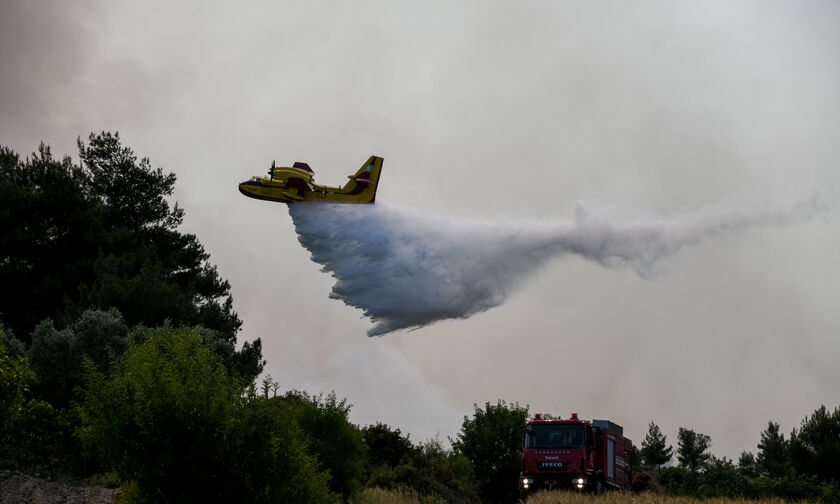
{"points": [[554, 436]]}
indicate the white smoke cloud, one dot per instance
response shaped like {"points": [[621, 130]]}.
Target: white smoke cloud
{"points": [[406, 269]]}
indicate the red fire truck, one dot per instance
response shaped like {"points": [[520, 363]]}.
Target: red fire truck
{"points": [[574, 453]]}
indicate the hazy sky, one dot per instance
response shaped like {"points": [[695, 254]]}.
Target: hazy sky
{"points": [[491, 110]]}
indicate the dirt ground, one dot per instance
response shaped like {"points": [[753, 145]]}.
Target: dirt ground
{"points": [[18, 488]]}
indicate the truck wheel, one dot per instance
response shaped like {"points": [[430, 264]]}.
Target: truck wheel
{"points": [[599, 487]]}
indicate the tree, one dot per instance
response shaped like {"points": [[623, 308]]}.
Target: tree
{"points": [[492, 442], [633, 463], [773, 459], [175, 424], [15, 377], [103, 235], [692, 449], [57, 356], [330, 436], [427, 469], [654, 451], [271, 459], [34, 436], [134, 193], [161, 420], [815, 446], [385, 446], [51, 230], [747, 465], [441, 475]]}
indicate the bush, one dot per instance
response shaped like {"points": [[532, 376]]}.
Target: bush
{"points": [[330, 436], [15, 377], [173, 422], [641, 482]]}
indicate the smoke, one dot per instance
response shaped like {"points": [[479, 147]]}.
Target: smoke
{"points": [[406, 269]]}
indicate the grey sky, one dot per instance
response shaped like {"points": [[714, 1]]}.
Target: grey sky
{"points": [[489, 109]]}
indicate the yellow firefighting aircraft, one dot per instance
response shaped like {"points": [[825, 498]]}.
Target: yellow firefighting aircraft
{"points": [[295, 183]]}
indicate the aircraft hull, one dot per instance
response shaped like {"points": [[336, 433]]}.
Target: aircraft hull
{"points": [[293, 185]]}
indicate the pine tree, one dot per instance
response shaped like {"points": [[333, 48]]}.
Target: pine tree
{"points": [[692, 449], [654, 452], [773, 459]]}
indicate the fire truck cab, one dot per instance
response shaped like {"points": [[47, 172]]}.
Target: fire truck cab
{"points": [[574, 453]]}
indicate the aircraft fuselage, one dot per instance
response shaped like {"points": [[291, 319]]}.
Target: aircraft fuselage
{"points": [[294, 184]]}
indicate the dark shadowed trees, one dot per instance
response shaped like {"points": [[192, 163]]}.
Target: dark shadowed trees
{"points": [[51, 231], [692, 449], [385, 446], [15, 377], [773, 458], [57, 356], [492, 441], [103, 235], [655, 450], [815, 445], [747, 465]]}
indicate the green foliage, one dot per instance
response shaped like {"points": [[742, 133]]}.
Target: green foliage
{"points": [[427, 470], [330, 436], [747, 465], [160, 420], [692, 449], [677, 480], [720, 478], [113, 168], [492, 442], [35, 437], [433, 471], [14, 346], [654, 451], [270, 458], [633, 462], [103, 235], [773, 458], [815, 446], [385, 446], [172, 421], [57, 356], [15, 378], [52, 231]]}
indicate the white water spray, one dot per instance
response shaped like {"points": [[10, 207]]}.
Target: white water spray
{"points": [[406, 269]]}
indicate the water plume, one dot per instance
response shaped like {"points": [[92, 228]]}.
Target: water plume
{"points": [[406, 269]]}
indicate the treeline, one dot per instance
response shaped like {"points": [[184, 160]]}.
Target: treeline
{"points": [[159, 411], [118, 358], [806, 466], [172, 423]]}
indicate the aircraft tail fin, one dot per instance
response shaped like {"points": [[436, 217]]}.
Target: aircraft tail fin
{"points": [[367, 179]]}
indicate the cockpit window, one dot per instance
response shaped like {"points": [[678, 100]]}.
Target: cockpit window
{"points": [[554, 436]]}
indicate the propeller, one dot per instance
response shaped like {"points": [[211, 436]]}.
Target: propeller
{"points": [[271, 172]]}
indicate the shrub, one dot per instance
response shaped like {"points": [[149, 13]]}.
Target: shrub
{"points": [[172, 421]]}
